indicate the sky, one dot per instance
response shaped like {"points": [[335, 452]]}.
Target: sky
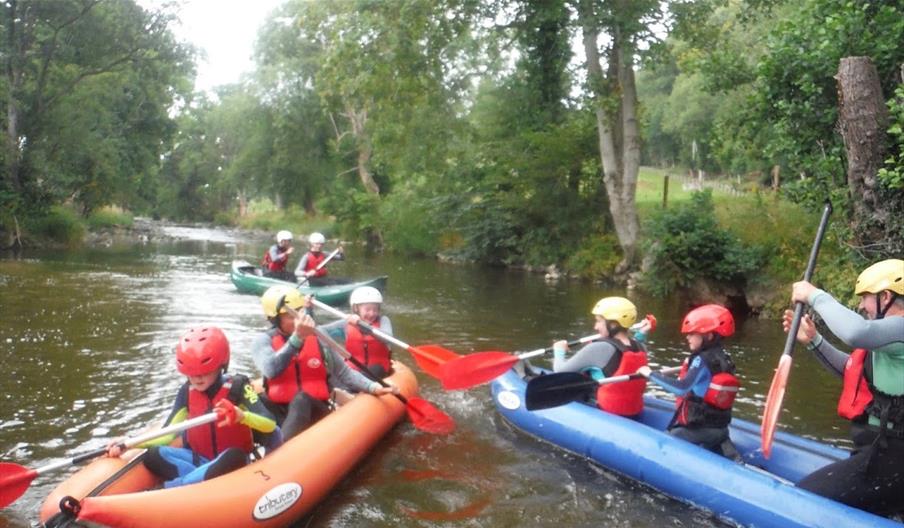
{"points": [[225, 30]]}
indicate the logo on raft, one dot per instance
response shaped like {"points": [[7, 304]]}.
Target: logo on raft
{"points": [[277, 500], [509, 400]]}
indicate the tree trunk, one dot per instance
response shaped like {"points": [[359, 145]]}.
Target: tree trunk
{"points": [[862, 121], [619, 137], [13, 72]]}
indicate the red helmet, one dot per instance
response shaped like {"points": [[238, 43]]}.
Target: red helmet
{"points": [[201, 351], [708, 318]]}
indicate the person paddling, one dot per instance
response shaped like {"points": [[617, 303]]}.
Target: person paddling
{"points": [[202, 355], [300, 373], [310, 264], [615, 354], [366, 303], [872, 394], [707, 385], [277, 256]]}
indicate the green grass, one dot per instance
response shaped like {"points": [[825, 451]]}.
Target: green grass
{"points": [[263, 214], [109, 217]]}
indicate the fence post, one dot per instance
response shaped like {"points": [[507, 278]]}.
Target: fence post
{"points": [[665, 191]]}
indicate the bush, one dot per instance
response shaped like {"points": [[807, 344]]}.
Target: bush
{"points": [[597, 258], [685, 243], [263, 214], [109, 217], [61, 224], [409, 224]]}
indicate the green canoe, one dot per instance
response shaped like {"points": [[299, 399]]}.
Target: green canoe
{"points": [[248, 278]]}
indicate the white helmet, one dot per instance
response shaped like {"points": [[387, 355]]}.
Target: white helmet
{"points": [[283, 235], [365, 294], [316, 238]]}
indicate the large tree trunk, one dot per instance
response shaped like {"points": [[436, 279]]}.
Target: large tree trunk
{"points": [[364, 152], [862, 121], [619, 139]]}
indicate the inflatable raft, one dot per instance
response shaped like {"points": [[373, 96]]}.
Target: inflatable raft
{"points": [[273, 491], [248, 278], [757, 492]]}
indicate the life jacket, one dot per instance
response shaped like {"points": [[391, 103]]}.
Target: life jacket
{"points": [[273, 265], [366, 348], [714, 408], [210, 440], [314, 260], [306, 371], [626, 398], [860, 398]]}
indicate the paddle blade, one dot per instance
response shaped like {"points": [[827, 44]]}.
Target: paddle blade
{"points": [[474, 369], [553, 390], [426, 417], [774, 404], [14, 480], [431, 358]]}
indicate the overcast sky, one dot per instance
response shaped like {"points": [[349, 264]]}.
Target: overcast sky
{"points": [[225, 30]]}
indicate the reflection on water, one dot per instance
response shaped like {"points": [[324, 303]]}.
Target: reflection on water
{"points": [[86, 342]]}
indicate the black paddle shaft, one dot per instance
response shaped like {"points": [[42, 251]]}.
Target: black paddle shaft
{"points": [[808, 273]]}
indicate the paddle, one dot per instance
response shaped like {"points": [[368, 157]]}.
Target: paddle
{"points": [[559, 388], [423, 414], [481, 367], [429, 358], [15, 479], [780, 380], [319, 266]]}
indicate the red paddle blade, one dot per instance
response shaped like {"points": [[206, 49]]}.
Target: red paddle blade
{"points": [[774, 404], [14, 480], [430, 358], [426, 417], [474, 369]]}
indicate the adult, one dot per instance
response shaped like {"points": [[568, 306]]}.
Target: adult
{"points": [[615, 354], [872, 395], [299, 373]]}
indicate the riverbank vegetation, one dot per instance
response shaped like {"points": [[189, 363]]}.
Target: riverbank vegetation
{"points": [[509, 132]]}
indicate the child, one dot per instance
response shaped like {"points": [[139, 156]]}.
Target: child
{"points": [[307, 267], [615, 354], [202, 355], [276, 258], [299, 374], [366, 303], [707, 385]]}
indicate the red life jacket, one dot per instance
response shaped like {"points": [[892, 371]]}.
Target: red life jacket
{"points": [[714, 408], [314, 260], [209, 440], [625, 398], [855, 392], [366, 348], [306, 371], [273, 265]]}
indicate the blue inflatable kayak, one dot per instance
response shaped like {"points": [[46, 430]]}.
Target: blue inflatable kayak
{"points": [[758, 492]]}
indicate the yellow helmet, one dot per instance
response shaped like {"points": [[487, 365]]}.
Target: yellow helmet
{"points": [[617, 309], [881, 276], [276, 298]]}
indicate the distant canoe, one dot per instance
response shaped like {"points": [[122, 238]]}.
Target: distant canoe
{"points": [[249, 278]]}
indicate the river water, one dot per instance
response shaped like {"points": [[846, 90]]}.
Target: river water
{"points": [[86, 341]]}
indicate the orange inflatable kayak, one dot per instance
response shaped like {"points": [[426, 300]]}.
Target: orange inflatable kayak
{"points": [[272, 491]]}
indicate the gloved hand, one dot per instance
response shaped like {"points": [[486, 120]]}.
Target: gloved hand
{"points": [[227, 413]]}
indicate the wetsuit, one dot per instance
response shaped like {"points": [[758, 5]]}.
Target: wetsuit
{"points": [[696, 420], [310, 261], [275, 260], [302, 409], [872, 478], [185, 465]]}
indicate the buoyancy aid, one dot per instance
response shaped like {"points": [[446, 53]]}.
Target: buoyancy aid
{"points": [[714, 408], [274, 265], [306, 371], [210, 440], [314, 260], [366, 348], [626, 398], [860, 398]]}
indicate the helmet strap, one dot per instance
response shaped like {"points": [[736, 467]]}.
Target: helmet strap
{"points": [[613, 328], [880, 311]]}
